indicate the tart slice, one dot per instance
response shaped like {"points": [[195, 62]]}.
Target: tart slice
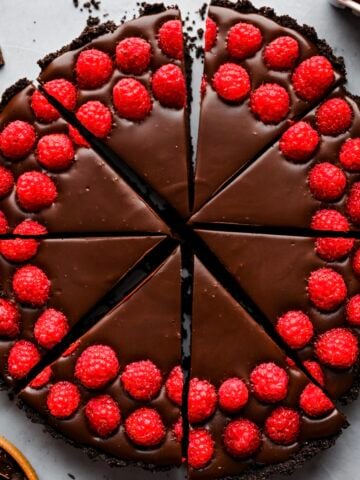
{"points": [[311, 302], [252, 413], [119, 392]]}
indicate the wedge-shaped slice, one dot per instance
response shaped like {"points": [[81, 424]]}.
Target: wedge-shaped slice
{"points": [[44, 297], [137, 72], [256, 415], [311, 302], [315, 166], [114, 382], [249, 97], [46, 177]]}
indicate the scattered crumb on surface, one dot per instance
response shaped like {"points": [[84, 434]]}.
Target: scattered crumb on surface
{"points": [[70, 475], [2, 61], [202, 11]]}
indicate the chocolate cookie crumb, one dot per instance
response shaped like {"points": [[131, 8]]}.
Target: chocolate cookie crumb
{"points": [[2, 61]]}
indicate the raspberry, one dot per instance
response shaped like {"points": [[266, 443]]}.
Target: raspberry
{"points": [[296, 328], [17, 139], [282, 53], [314, 402], [71, 349], [43, 110], [93, 68], [142, 380], [77, 138], [299, 142], [313, 77], [201, 400], [4, 227], [269, 382], [353, 310], [133, 55], [6, 182], [63, 399], [97, 366], [171, 39], [22, 358], [55, 151], [131, 99], [9, 319], [337, 348], [327, 182], [174, 385], [103, 415], [210, 34], [178, 430], [353, 203], [283, 426], [329, 220], [203, 86], [35, 191], [242, 438], [290, 362], [326, 289], [315, 371], [42, 379], [169, 87], [63, 91], [334, 117], [96, 117], [31, 286], [270, 103], [233, 395], [201, 448], [30, 227], [350, 155], [232, 82], [243, 40], [50, 328], [145, 428], [19, 250]]}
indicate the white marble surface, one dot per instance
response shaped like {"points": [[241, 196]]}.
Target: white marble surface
{"points": [[31, 28]]}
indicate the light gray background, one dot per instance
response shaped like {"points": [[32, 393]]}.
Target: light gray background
{"points": [[31, 28]]}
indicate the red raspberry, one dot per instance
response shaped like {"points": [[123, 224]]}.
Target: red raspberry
{"points": [[299, 142], [315, 371], [171, 39], [201, 448], [30, 227], [203, 86], [232, 82], [282, 53], [329, 220], [9, 319], [290, 362], [133, 55], [35, 191], [314, 402], [77, 138], [31, 286], [42, 108], [327, 182], [6, 182], [63, 399], [4, 227], [72, 349], [270, 103], [283, 426], [334, 117], [337, 348], [17, 139], [350, 155], [201, 400], [233, 395], [142, 380], [93, 68], [19, 250], [97, 366], [96, 117], [210, 34], [353, 203], [174, 385], [244, 40], [55, 151], [169, 87], [22, 358], [145, 428], [296, 328], [313, 77], [242, 438], [178, 430], [353, 310], [131, 99], [326, 289], [42, 379], [269, 382], [50, 328], [63, 91], [103, 415]]}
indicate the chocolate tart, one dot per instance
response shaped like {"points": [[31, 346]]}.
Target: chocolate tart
{"points": [[13, 464]]}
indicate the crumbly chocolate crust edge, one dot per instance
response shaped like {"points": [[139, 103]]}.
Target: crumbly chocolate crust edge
{"points": [[12, 91]]}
